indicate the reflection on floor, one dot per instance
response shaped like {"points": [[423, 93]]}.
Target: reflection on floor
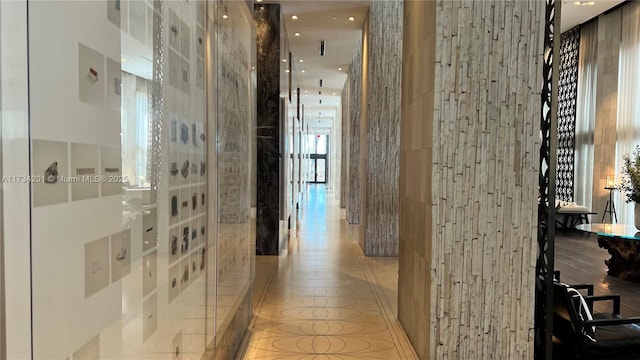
{"points": [[322, 299], [581, 261]]}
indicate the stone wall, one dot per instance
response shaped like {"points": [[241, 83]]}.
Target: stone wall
{"points": [[353, 117], [372, 132], [477, 241], [380, 142], [344, 154]]}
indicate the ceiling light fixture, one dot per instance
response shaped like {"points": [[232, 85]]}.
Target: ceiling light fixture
{"points": [[351, 18], [334, 18], [294, 17], [296, 34], [284, 60], [579, 3], [339, 69], [225, 16], [258, 0], [302, 70], [301, 60], [322, 47], [286, 70]]}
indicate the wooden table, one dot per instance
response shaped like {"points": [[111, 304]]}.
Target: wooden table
{"points": [[623, 244]]}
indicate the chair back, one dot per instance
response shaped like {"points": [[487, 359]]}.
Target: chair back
{"points": [[566, 319]]}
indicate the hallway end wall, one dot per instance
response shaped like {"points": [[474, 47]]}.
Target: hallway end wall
{"points": [[479, 246]]}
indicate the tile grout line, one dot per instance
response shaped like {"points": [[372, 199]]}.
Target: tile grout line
{"points": [[400, 339]]}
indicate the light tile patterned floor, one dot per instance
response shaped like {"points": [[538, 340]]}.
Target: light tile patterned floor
{"points": [[322, 298]]}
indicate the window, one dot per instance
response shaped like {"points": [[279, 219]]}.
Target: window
{"points": [[135, 129]]}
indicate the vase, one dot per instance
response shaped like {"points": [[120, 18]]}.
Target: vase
{"points": [[636, 215]]}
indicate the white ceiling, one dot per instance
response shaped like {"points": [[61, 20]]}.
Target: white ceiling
{"points": [[572, 14], [328, 20]]}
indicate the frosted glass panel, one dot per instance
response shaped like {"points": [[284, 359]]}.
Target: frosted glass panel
{"points": [[121, 256]]}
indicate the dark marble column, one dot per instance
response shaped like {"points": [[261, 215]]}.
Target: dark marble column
{"points": [[267, 18]]}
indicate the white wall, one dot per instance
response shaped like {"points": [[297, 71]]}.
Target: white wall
{"points": [[15, 162]]}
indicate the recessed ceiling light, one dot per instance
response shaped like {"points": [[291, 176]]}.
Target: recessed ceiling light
{"points": [[284, 60], [225, 16], [286, 70], [258, 0], [306, 91], [301, 60], [296, 34], [584, 3], [334, 18], [253, 68], [302, 70], [334, 93], [294, 17], [351, 18], [339, 69]]}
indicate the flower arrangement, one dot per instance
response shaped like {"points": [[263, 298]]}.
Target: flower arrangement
{"points": [[630, 183]]}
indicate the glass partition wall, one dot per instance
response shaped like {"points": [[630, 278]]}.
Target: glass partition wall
{"points": [[142, 242], [14, 121], [235, 111]]}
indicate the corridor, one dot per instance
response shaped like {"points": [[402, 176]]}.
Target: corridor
{"points": [[322, 298]]}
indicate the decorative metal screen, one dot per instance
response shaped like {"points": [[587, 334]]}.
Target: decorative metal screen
{"points": [[548, 145], [567, 95]]}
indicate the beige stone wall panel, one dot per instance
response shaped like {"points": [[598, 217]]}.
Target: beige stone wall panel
{"points": [[353, 167], [475, 75]]}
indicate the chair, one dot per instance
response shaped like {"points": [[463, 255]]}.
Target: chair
{"points": [[599, 336]]}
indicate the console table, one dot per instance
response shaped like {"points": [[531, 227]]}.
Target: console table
{"points": [[623, 244]]}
